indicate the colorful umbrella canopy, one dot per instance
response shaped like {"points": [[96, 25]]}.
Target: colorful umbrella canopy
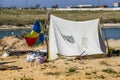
{"points": [[36, 36]]}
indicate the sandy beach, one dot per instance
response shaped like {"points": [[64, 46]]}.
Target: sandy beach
{"points": [[64, 68]]}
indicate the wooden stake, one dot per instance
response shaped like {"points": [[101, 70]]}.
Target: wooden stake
{"points": [[48, 21], [101, 20]]}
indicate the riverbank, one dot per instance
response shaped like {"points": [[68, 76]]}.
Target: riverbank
{"points": [[15, 27], [109, 25], [106, 25]]}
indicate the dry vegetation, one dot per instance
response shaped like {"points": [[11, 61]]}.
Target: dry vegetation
{"points": [[27, 17]]}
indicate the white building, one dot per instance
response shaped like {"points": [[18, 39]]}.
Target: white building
{"points": [[116, 4], [81, 6], [85, 6]]}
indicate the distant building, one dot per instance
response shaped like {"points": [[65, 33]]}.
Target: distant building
{"points": [[116, 4], [81, 6], [85, 6]]}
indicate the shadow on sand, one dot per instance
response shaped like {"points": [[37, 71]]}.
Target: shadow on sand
{"points": [[3, 63]]}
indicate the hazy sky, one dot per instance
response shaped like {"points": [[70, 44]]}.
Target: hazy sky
{"points": [[49, 3]]}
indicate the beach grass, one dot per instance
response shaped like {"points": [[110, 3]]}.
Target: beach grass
{"points": [[28, 16]]}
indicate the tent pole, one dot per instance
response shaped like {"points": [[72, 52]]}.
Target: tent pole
{"points": [[47, 28], [101, 20]]}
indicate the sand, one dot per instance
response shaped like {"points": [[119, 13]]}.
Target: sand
{"points": [[64, 68]]}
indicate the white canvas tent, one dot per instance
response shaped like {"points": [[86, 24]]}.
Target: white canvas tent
{"points": [[74, 38]]}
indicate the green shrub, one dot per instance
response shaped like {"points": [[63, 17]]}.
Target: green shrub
{"points": [[109, 70], [25, 78], [73, 69], [111, 50], [53, 73]]}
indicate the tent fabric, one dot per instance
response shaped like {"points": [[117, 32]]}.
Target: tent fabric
{"points": [[74, 38], [36, 36]]}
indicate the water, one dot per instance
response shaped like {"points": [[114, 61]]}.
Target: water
{"points": [[13, 32], [111, 33]]}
